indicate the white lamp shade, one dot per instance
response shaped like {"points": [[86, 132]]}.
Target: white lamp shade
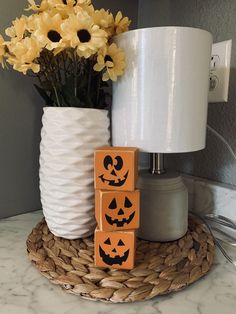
{"points": [[160, 103]]}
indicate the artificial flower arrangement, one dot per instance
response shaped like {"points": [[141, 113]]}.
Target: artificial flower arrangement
{"points": [[68, 45]]}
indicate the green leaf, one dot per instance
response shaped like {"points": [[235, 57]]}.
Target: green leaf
{"points": [[89, 102], [70, 99], [104, 84], [44, 95], [60, 99], [47, 86], [82, 84]]}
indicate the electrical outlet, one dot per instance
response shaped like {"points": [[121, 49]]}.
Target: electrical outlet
{"points": [[220, 71]]}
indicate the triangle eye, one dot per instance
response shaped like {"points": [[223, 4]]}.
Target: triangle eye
{"points": [[108, 241], [128, 204], [121, 243], [113, 204]]}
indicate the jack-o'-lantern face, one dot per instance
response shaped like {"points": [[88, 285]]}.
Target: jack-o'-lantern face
{"points": [[115, 249], [116, 168], [113, 252], [115, 173], [120, 213], [117, 210]]}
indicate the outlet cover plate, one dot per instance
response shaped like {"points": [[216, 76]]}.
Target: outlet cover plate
{"points": [[220, 71]]}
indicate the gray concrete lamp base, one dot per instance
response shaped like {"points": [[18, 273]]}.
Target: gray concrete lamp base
{"points": [[164, 207]]}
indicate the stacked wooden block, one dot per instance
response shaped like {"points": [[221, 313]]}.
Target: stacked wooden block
{"points": [[117, 206]]}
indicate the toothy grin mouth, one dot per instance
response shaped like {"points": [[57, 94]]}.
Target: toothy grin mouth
{"points": [[113, 260], [120, 223], [113, 182]]}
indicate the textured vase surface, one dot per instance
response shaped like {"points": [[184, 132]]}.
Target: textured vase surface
{"points": [[69, 138]]}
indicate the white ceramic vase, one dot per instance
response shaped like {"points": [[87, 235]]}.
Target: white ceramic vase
{"points": [[69, 138]]}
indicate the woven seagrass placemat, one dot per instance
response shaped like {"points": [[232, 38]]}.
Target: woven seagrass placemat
{"points": [[160, 267]]}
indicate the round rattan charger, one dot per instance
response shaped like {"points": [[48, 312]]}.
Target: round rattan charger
{"points": [[161, 268]]}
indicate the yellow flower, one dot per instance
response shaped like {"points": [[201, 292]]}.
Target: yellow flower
{"points": [[23, 54], [62, 4], [83, 35], [111, 59], [121, 24], [48, 31], [37, 7], [73, 3], [31, 25], [84, 7], [2, 49], [18, 29], [105, 20], [67, 7], [87, 2], [63, 7]]}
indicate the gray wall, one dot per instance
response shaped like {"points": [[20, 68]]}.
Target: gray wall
{"points": [[218, 17], [20, 116], [20, 123]]}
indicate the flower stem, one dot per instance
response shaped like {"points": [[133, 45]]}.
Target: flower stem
{"points": [[58, 69], [56, 94], [98, 88], [75, 72], [64, 64], [54, 88], [89, 77]]}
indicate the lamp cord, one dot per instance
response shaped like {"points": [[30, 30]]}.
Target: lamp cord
{"points": [[219, 219], [223, 140]]}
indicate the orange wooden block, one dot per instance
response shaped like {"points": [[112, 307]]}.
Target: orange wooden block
{"points": [[117, 210], [116, 168], [115, 249]]}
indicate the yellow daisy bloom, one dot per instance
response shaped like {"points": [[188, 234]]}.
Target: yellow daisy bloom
{"points": [[37, 7], [67, 7], [79, 30], [48, 31], [18, 29], [63, 7], [23, 55], [31, 25], [62, 4], [73, 3], [82, 3], [121, 23], [105, 20], [112, 60], [2, 49], [85, 8], [87, 2]]}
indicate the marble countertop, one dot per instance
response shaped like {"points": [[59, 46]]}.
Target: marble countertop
{"points": [[24, 291]]}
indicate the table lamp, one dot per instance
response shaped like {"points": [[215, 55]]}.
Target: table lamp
{"points": [[160, 106]]}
